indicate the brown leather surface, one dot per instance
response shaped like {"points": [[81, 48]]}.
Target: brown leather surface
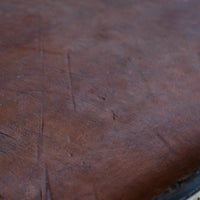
{"points": [[99, 99]]}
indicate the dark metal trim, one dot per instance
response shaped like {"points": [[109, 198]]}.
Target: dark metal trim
{"points": [[183, 189]]}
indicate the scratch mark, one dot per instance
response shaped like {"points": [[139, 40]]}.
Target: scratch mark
{"points": [[42, 119], [34, 49], [164, 141], [70, 79], [102, 98], [47, 187], [1, 151], [39, 197], [41, 133], [95, 193], [42, 54], [38, 147], [114, 116], [4, 134]]}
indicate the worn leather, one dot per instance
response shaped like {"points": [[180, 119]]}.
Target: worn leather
{"points": [[99, 99]]}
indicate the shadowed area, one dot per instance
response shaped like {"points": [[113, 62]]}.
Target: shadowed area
{"points": [[99, 99]]}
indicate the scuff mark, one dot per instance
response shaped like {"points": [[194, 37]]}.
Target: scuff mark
{"points": [[47, 186], [114, 115], [6, 135], [71, 81]]}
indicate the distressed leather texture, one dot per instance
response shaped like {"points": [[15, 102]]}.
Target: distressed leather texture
{"points": [[99, 99]]}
